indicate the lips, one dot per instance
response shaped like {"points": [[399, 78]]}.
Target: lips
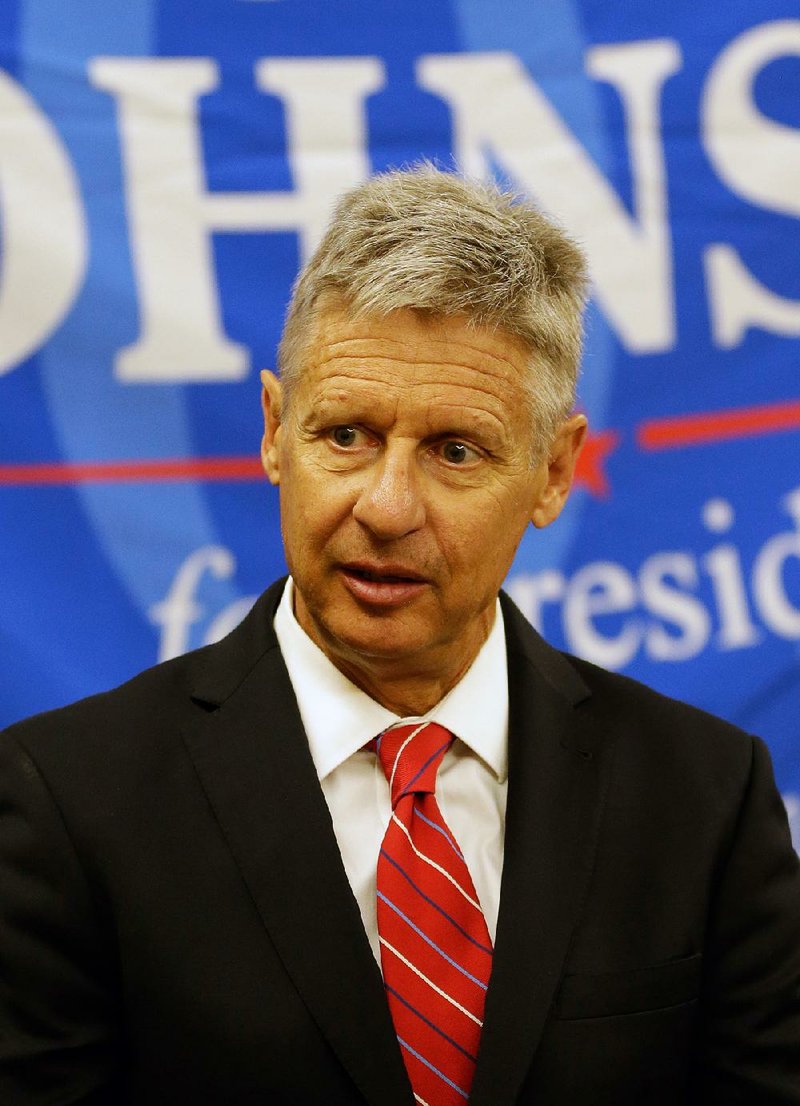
{"points": [[382, 585]]}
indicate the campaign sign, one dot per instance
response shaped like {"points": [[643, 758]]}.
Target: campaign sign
{"points": [[165, 166]]}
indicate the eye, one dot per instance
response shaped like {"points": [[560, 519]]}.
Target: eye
{"points": [[344, 436], [458, 453]]}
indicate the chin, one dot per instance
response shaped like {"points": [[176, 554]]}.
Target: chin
{"points": [[378, 639]]}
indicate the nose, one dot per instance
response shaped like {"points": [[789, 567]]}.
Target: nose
{"points": [[390, 504]]}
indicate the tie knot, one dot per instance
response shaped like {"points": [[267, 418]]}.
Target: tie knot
{"points": [[410, 755]]}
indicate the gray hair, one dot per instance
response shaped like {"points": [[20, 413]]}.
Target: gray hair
{"points": [[442, 245]]}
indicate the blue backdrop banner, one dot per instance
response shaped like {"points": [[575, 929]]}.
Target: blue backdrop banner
{"points": [[165, 166]]}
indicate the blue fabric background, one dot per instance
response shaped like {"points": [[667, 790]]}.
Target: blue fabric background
{"points": [[86, 565]]}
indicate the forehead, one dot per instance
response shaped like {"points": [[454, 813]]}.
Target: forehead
{"points": [[443, 360]]}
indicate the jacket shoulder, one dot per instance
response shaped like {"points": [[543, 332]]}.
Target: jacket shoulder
{"points": [[648, 728], [617, 696]]}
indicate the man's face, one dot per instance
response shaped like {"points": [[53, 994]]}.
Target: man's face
{"points": [[406, 484]]}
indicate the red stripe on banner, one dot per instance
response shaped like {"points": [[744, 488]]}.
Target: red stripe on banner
{"points": [[703, 428], [717, 426], [134, 472]]}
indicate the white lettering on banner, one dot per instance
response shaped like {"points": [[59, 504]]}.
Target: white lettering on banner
{"points": [[661, 614], [172, 214], [326, 133], [42, 227], [181, 331], [664, 580], [179, 611], [739, 302], [723, 564], [497, 106], [758, 159], [602, 587], [777, 611]]}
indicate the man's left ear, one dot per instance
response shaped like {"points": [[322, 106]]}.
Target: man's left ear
{"points": [[562, 458]]}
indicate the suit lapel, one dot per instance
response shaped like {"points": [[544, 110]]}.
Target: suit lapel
{"points": [[251, 755], [557, 780]]}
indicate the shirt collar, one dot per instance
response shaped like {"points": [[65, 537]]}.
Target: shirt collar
{"points": [[339, 718]]}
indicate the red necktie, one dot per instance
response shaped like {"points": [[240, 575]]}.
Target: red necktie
{"points": [[436, 953]]}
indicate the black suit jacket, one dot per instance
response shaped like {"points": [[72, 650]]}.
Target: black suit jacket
{"points": [[176, 924]]}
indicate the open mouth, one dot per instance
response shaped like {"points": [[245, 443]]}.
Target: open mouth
{"points": [[381, 577], [382, 586]]}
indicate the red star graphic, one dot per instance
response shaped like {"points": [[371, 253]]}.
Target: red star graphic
{"points": [[590, 470]]}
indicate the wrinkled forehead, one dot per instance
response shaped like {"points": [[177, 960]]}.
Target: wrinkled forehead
{"points": [[411, 334], [407, 345]]}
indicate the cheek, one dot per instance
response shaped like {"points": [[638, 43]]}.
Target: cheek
{"points": [[488, 542], [317, 504], [466, 543]]}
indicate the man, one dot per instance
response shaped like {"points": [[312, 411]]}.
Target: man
{"points": [[382, 844]]}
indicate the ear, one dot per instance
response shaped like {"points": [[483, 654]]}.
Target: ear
{"points": [[559, 470], [271, 402]]}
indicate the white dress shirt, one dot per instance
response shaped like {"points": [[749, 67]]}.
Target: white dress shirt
{"points": [[339, 719]]}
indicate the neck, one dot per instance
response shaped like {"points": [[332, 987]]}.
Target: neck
{"points": [[407, 684], [403, 693]]}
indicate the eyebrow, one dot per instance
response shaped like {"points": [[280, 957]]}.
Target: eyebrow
{"points": [[344, 402]]}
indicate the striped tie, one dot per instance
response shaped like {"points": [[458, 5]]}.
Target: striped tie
{"points": [[436, 953]]}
